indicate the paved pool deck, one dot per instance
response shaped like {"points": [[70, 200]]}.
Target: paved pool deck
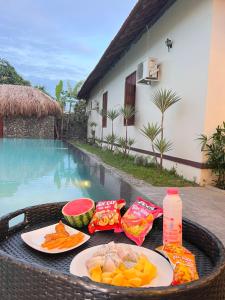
{"points": [[203, 205]]}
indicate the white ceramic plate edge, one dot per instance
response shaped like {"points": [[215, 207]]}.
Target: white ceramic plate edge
{"points": [[39, 234]]}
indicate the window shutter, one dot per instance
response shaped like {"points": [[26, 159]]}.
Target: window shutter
{"points": [[130, 95], [104, 108]]}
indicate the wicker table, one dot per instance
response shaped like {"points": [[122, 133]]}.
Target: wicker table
{"points": [[28, 274]]}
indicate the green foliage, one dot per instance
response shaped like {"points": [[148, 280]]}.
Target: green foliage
{"points": [[112, 114], [122, 143], [78, 121], [130, 143], [214, 148], [151, 175], [163, 146], [8, 74], [151, 131], [111, 140], [127, 112], [164, 98], [58, 91]]}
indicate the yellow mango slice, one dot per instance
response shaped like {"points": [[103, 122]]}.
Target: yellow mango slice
{"points": [[107, 280], [96, 269], [95, 276], [107, 274], [118, 280], [130, 273], [135, 282], [139, 266]]}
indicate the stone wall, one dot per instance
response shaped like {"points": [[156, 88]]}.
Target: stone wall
{"points": [[23, 127]]}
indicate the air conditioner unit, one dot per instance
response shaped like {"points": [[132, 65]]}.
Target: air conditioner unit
{"points": [[148, 71]]}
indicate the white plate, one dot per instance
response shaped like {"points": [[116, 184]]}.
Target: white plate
{"points": [[35, 238], [164, 270]]}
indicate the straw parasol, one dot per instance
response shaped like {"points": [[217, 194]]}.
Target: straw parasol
{"points": [[19, 100]]}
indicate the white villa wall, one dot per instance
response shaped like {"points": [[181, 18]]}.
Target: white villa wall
{"points": [[184, 69]]}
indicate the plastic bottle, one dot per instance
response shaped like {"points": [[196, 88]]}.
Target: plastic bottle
{"points": [[172, 218]]}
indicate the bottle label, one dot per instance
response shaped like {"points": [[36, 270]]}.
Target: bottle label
{"points": [[172, 231]]}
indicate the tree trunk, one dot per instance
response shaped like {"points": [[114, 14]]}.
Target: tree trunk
{"points": [[162, 135], [126, 138], [68, 120], [56, 130], [112, 137], [62, 126], [155, 157]]}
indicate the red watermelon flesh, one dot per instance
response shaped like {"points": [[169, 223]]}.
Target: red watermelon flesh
{"points": [[79, 212]]}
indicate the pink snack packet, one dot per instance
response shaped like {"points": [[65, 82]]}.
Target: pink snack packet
{"points": [[138, 220]]}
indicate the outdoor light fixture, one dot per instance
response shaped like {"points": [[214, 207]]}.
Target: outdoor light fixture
{"points": [[169, 44]]}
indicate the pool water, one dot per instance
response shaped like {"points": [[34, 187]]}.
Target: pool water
{"points": [[39, 171]]}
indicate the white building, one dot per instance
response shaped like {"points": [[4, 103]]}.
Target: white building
{"points": [[194, 68]]}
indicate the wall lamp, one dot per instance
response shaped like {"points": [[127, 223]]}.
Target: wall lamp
{"points": [[169, 44]]}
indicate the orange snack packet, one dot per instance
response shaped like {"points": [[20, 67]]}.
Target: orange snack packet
{"points": [[107, 216], [182, 261]]}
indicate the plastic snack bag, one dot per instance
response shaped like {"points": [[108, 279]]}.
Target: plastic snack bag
{"points": [[138, 220], [182, 261], [107, 216]]}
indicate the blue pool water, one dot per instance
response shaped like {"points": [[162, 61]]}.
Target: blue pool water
{"points": [[42, 171]]}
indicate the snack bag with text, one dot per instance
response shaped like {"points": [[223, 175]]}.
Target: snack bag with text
{"points": [[107, 216], [138, 220], [182, 261]]}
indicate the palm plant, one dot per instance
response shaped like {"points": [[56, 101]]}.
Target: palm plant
{"points": [[61, 100], [111, 139], [163, 99], [127, 112], [112, 114], [122, 143], [130, 143], [102, 113], [151, 131], [72, 97], [214, 148], [162, 146]]}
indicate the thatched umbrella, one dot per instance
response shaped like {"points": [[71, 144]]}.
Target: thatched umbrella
{"points": [[18, 100]]}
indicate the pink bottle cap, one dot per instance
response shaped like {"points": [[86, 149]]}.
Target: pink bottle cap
{"points": [[172, 191]]}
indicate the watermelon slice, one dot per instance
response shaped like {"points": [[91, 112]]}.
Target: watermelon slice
{"points": [[79, 212]]}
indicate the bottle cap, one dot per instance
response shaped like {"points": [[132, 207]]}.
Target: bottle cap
{"points": [[172, 191]]}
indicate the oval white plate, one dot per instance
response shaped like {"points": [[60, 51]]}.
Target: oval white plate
{"points": [[35, 238], [164, 270]]}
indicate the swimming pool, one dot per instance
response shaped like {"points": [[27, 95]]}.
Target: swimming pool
{"points": [[34, 172]]}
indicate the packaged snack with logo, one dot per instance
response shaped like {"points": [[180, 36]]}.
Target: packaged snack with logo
{"points": [[138, 220], [107, 216], [182, 261]]}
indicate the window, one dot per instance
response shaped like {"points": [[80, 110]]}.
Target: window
{"points": [[104, 108], [130, 95]]}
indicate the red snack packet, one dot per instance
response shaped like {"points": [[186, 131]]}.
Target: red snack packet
{"points": [[182, 261], [107, 216], [138, 220]]}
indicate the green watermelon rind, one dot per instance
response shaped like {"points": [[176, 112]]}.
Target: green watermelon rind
{"points": [[82, 219]]}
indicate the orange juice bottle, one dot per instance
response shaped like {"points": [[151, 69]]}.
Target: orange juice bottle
{"points": [[172, 217]]}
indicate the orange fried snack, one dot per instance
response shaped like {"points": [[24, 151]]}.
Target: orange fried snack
{"points": [[61, 239]]}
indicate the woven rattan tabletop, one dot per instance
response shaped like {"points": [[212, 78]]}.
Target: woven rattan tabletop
{"points": [[48, 275]]}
